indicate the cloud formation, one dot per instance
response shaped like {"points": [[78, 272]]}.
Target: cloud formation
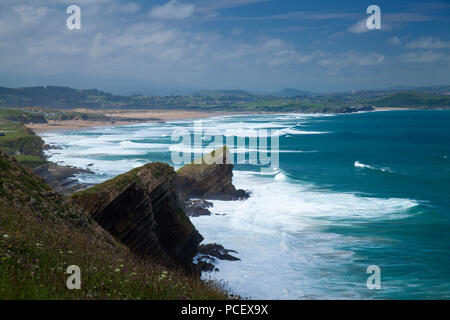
{"points": [[428, 43], [173, 42], [172, 10]]}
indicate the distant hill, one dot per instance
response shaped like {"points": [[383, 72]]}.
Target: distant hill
{"points": [[219, 93], [289, 92], [56, 98], [411, 99]]}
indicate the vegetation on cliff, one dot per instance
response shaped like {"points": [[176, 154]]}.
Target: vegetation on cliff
{"points": [[43, 232], [18, 140]]}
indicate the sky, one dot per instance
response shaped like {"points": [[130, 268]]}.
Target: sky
{"points": [[174, 46]]}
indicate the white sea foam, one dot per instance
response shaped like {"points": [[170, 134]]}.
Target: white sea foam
{"points": [[358, 164], [283, 221], [290, 131]]}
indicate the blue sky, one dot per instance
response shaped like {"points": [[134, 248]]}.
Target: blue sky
{"points": [[261, 45]]}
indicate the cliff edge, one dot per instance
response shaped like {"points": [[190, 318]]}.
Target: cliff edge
{"points": [[142, 209]]}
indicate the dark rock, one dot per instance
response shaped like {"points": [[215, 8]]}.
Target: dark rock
{"points": [[218, 251], [142, 209], [204, 265], [197, 208], [210, 177], [59, 177], [241, 195]]}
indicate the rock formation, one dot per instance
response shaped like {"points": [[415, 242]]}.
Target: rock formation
{"points": [[142, 209], [197, 208], [209, 177]]}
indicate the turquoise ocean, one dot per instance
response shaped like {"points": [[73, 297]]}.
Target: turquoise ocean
{"points": [[350, 191]]}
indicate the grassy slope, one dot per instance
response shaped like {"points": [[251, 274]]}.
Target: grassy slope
{"points": [[42, 233], [18, 140]]}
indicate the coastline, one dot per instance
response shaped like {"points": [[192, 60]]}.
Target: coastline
{"points": [[129, 117], [122, 117]]}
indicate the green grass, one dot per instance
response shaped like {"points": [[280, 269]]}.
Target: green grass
{"points": [[30, 161], [120, 182]]}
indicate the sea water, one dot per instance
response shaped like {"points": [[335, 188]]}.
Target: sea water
{"points": [[351, 191]]}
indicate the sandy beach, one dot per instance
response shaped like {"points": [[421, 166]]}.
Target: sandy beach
{"points": [[121, 117]]}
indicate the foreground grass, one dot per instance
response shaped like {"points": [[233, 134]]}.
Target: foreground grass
{"points": [[42, 233]]}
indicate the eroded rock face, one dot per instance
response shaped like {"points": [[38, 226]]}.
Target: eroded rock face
{"points": [[210, 177], [142, 209]]}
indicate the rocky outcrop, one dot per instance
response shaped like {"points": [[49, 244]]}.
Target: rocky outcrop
{"points": [[142, 209], [208, 255], [61, 178], [197, 208], [209, 177], [218, 251]]}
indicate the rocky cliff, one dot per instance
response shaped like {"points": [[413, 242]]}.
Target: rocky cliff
{"points": [[142, 209], [209, 177]]}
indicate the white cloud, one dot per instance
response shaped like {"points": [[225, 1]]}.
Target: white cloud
{"points": [[395, 41], [423, 57], [210, 5], [427, 43], [359, 27], [352, 59], [30, 15], [236, 31], [172, 10]]}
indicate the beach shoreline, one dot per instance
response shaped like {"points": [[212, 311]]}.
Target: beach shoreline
{"points": [[121, 117], [130, 117]]}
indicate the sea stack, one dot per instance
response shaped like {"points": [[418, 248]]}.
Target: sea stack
{"points": [[209, 177]]}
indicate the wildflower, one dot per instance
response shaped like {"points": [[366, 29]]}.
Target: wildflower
{"points": [[70, 252], [5, 236], [116, 270]]}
